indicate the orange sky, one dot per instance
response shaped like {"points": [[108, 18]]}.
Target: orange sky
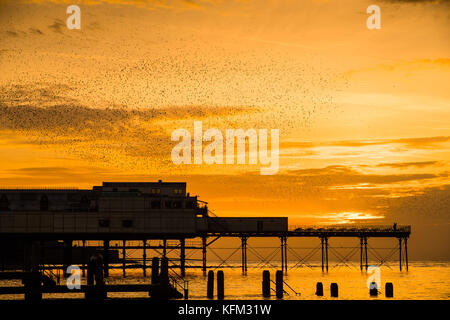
{"points": [[364, 115]]}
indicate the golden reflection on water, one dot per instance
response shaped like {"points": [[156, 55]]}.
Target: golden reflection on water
{"points": [[423, 281]]}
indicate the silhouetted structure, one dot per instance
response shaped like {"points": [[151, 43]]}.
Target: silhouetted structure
{"points": [[33, 222]]}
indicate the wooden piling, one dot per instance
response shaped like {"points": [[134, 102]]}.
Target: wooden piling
{"points": [[279, 284], [319, 289], [220, 285], [155, 270], [389, 290], [210, 285], [334, 290], [373, 290], [266, 283]]}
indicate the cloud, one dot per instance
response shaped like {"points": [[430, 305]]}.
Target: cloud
{"points": [[420, 164], [57, 26], [421, 142], [418, 1], [35, 31]]}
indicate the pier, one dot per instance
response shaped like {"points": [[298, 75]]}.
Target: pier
{"points": [[131, 223]]}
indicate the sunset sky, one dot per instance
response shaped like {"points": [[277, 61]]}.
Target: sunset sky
{"points": [[364, 115]]}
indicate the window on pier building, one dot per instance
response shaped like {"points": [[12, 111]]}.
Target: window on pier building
{"points": [[190, 204], [84, 203], [156, 190], [177, 191], [4, 203], [176, 204], [155, 204], [44, 203], [103, 223], [127, 223]]}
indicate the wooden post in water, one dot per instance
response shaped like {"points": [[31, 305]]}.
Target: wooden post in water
{"points": [[319, 289], [210, 285], [326, 252], [334, 291], [266, 284], [155, 270], [164, 272], [389, 290], [220, 285], [279, 284]]}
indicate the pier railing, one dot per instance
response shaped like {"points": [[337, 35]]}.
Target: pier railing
{"points": [[351, 228]]}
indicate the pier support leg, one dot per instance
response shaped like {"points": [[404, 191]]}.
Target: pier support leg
{"points": [[123, 258], [27, 255], [244, 254], [164, 248], [42, 255], [67, 255], [361, 254], [183, 257], [400, 252], [35, 253], [204, 255], [326, 253], [321, 242], [406, 253], [285, 255], [33, 284], [365, 252], [106, 258], [83, 257], [144, 258]]}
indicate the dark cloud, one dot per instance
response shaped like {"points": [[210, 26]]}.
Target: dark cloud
{"points": [[57, 26], [51, 175], [12, 33], [35, 31]]}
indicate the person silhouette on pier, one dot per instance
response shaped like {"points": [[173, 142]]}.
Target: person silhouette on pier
{"points": [[395, 226]]}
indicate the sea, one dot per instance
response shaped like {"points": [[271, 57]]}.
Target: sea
{"points": [[424, 280]]}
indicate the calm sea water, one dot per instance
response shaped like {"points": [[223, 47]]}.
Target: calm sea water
{"points": [[424, 280]]}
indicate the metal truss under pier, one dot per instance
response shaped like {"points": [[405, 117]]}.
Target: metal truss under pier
{"points": [[34, 253]]}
